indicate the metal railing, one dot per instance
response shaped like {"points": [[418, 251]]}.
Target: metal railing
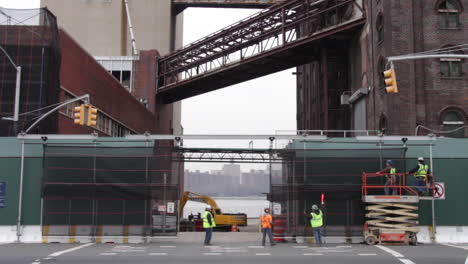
{"points": [[281, 27], [400, 184]]}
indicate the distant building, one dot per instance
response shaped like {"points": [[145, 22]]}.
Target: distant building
{"points": [[254, 182]]}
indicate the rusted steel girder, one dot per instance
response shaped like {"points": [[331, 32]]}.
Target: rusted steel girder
{"points": [[264, 43], [180, 5]]}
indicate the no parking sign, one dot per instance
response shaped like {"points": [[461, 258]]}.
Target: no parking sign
{"points": [[439, 191]]}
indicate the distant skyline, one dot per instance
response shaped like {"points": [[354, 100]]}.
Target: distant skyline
{"points": [[261, 106]]}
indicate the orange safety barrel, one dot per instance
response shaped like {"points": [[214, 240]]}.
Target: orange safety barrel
{"points": [[279, 228]]}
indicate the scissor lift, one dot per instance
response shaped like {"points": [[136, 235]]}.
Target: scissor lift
{"points": [[390, 219]]}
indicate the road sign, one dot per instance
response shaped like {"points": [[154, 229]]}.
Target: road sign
{"points": [[276, 208], [2, 202], [170, 207], [162, 208], [439, 191], [3, 188]]}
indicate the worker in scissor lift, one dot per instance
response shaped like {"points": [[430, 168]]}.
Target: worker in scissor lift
{"points": [[392, 179], [421, 173]]}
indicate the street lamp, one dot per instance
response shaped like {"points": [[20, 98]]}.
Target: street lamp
{"points": [[15, 117]]}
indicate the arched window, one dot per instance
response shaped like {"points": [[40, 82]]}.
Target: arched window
{"points": [[449, 14], [381, 69], [379, 26], [451, 67], [451, 120], [383, 124]]}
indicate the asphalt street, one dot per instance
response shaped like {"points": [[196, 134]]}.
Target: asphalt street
{"points": [[231, 252]]}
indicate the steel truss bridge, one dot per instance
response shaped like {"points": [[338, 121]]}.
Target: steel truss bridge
{"points": [[180, 5], [282, 36]]}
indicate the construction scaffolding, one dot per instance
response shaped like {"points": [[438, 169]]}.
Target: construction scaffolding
{"points": [[29, 37], [110, 191], [330, 178]]}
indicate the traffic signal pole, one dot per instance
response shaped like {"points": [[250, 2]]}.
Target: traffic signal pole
{"points": [[84, 98], [428, 56]]}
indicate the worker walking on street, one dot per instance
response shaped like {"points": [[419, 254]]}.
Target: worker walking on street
{"points": [[208, 224], [391, 183], [316, 221], [266, 221], [420, 173]]}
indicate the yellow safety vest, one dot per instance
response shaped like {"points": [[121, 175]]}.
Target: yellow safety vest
{"points": [[206, 224], [317, 219], [422, 171]]}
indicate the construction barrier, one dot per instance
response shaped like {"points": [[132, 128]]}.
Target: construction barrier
{"points": [[279, 228]]}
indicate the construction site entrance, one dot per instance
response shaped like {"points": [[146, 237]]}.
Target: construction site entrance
{"points": [[102, 187]]}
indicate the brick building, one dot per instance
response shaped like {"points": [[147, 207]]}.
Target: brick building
{"points": [[55, 68], [432, 92]]}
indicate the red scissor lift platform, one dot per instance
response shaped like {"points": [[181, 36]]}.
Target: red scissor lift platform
{"points": [[390, 219]]}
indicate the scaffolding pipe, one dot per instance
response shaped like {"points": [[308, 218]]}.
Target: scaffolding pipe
{"points": [[20, 197], [130, 27]]}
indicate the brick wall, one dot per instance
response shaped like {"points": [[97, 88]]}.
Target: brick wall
{"points": [[409, 27], [412, 26], [80, 74]]}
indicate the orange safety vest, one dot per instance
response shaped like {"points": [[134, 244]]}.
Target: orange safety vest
{"points": [[266, 220]]}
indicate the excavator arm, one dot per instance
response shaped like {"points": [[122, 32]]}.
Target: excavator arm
{"points": [[191, 196]]}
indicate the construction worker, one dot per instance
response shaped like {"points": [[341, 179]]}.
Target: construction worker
{"points": [[391, 178], [420, 173], [316, 221], [266, 221], [208, 224]]}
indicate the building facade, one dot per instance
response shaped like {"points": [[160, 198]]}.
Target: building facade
{"points": [[432, 92], [104, 32]]}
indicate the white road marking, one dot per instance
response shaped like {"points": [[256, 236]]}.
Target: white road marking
{"points": [[344, 246], [108, 254], [367, 254], [212, 254], [300, 247], [47, 258], [466, 261], [70, 250], [456, 246], [167, 246], [157, 254], [313, 254], [406, 261], [256, 247], [35, 263], [263, 254], [396, 254], [390, 251]]}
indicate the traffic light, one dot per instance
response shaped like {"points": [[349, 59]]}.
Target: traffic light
{"points": [[92, 116], [79, 114], [390, 81]]}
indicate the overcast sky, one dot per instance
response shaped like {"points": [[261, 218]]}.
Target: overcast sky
{"points": [[261, 106]]}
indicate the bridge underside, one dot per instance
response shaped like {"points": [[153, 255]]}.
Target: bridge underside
{"points": [[181, 5], [275, 60]]}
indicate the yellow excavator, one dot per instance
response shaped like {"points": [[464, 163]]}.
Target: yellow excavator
{"points": [[223, 221]]}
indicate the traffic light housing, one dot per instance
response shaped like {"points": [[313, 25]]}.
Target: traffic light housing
{"points": [[92, 116], [79, 116], [390, 81]]}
